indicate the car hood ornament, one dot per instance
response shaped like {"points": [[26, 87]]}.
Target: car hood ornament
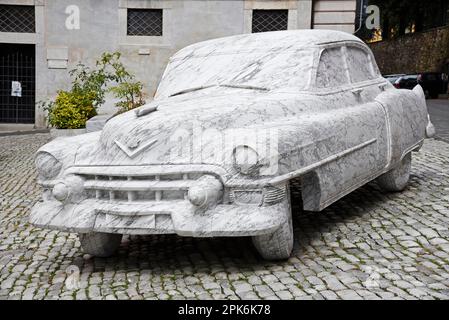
{"points": [[133, 148]]}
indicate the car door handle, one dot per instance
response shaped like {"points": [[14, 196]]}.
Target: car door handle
{"points": [[357, 92], [382, 86]]}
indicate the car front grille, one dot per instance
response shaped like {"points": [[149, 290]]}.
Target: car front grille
{"points": [[138, 187]]}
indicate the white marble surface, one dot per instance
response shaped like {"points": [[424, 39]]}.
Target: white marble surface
{"points": [[98, 122], [337, 125]]}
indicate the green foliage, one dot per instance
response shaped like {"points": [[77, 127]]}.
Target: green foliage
{"points": [[94, 81], [130, 95], [71, 109]]}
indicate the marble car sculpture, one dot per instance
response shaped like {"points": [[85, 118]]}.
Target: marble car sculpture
{"points": [[335, 124]]}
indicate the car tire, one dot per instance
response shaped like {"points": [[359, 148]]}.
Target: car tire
{"points": [[397, 179], [100, 244], [279, 244]]}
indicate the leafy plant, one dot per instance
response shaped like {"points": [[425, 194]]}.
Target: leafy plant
{"points": [[130, 95], [71, 109], [94, 81]]}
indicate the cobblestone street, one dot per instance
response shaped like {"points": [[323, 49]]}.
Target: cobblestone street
{"points": [[370, 245]]}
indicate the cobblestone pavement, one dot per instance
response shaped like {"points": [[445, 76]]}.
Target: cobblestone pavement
{"points": [[439, 114], [369, 245]]}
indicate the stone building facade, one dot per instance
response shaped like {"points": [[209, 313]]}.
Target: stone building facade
{"points": [[42, 39]]}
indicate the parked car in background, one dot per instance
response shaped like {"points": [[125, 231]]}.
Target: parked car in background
{"points": [[406, 82], [393, 77], [433, 83]]}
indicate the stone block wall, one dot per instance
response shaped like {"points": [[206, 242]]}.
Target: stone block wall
{"points": [[414, 53]]}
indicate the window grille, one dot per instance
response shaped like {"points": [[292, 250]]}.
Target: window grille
{"points": [[270, 20], [17, 19], [144, 22]]}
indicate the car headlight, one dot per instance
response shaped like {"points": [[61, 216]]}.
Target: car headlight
{"points": [[246, 160], [47, 165]]}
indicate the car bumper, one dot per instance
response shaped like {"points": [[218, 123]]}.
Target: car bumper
{"points": [[165, 217]]}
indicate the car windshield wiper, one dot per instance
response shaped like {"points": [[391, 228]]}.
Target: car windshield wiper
{"points": [[243, 86], [237, 86], [192, 90]]}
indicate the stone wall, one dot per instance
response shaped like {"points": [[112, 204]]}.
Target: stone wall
{"points": [[413, 53]]}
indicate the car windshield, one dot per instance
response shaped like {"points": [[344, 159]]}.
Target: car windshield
{"points": [[252, 70]]}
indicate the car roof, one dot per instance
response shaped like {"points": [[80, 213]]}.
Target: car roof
{"points": [[290, 39]]}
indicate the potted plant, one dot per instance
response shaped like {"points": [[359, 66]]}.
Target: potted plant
{"points": [[70, 110]]}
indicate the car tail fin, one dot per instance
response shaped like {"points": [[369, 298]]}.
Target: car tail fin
{"points": [[418, 90], [430, 128]]}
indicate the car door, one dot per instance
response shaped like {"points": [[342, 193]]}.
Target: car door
{"points": [[367, 84], [354, 130]]}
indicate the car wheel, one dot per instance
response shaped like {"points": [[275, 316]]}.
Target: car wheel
{"points": [[398, 178], [100, 244], [279, 244]]}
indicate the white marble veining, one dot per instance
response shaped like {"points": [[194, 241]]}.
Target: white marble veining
{"points": [[314, 99]]}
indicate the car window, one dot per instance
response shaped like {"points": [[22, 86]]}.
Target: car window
{"points": [[360, 65], [331, 69]]}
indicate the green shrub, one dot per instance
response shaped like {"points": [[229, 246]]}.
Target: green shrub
{"points": [[107, 69], [71, 110], [130, 96]]}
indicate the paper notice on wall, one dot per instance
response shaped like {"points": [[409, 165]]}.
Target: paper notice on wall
{"points": [[16, 89]]}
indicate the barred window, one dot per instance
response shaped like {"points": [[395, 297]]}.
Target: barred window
{"points": [[17, 19], [270, 20], [144, 22]]}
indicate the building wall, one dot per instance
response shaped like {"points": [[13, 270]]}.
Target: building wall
{"points": [[334, 14], [103, 28], [402, 55]]}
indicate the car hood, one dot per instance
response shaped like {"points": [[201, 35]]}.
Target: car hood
{"points": [[130, 140]]}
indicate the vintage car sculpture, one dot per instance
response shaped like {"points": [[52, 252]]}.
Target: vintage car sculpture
{"points": [[333, 125]]}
